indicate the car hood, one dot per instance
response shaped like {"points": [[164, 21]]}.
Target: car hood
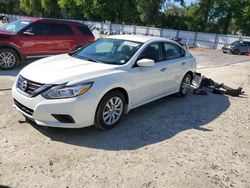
{"points": [[64, 68], [229, 46], [5, 33]]}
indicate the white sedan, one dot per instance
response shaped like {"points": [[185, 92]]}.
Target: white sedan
{"points": [[102, 81]]}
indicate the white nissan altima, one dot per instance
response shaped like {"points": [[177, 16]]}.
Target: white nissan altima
{"points": [[99, 83]]}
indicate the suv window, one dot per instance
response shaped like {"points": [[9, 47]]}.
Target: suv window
{"points": [[40, 29], [245, 44], [172, 51], [84, 30], [43, 28], [61, 29], [153, 51]]}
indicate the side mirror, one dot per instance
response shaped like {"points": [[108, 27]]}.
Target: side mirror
{"points": [[28, 33], [146, 63]]}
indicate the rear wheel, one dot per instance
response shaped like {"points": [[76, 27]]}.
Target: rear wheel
{"points": [[8, 58], [185, 85], [110, 110]]}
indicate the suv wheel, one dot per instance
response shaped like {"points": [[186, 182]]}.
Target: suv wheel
{"points": [[8, 58], [236, 52], [110, 110]]}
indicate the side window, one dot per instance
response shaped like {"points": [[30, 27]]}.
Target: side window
{"points": [[246, 44], [182, 51], [61, 29], [172, 51], [84, 30], [40, 29], [153, 51]]}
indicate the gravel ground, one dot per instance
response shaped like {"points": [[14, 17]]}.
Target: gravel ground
{"points": [[197, 141], [214, 58]]}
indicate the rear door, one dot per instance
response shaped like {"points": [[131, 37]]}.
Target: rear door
{"points": [[86, 35], [63, 39], [244, 47], [248, 47], [176, 64]]}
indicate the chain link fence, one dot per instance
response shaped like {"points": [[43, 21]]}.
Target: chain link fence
{"points": [[190, 38]]}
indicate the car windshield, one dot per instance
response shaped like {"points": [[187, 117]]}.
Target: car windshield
{"points": [[235, 43], [107, 50], [15, 26]]}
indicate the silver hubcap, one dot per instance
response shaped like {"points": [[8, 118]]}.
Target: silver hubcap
{"points": [[7, 59], [112, 110], [186, 84]]}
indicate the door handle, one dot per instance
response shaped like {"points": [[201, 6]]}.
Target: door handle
{"points": [[183, 63], [163, 69]]}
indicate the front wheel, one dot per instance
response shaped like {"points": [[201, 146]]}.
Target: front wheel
{"points": [[185, 85], [236, 52], [8, 58], [110, 110]]}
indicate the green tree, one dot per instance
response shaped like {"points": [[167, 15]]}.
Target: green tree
{"points": [[46, 8], [31, 7], [243, 18], [9, 7], [149, 11], [218, 16], [51, 8]]}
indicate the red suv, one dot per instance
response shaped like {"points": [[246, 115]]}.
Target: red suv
{"points": [[39, 37]]}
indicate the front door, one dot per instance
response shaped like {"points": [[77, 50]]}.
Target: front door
{"points": [[47, 38], [147, 82], [34, 39]]}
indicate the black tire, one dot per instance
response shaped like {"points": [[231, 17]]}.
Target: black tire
{"points": [[100, 122], [9, 58], [236, 52], [187, 79]]}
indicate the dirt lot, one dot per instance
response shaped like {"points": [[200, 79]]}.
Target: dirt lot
{"points": [[198, 141]]}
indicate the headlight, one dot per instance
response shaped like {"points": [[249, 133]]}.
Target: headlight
{"points": [[63, 91]]}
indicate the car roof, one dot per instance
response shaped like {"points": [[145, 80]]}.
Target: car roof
{"points": [[32, 19], [138, 38]]}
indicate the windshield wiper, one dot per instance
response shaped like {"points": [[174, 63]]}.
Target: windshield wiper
{"points": [[85, 58], [93, 60]]}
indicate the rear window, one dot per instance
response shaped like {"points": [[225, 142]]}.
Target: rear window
{"points": [[84, 30]]}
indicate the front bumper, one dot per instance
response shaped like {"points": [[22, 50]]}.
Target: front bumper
{"points": [[226, 50], [81, 109]]}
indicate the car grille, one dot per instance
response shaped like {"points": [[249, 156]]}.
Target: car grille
{"points": [[28, 87], [24, 108]]}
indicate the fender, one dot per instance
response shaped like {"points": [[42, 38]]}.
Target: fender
{"points": [[7, 45]]}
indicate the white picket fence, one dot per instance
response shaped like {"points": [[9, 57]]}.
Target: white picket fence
{"points": [[191, 38]]}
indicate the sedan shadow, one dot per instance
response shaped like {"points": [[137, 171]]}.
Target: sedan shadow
{"points": [[149, 124]]}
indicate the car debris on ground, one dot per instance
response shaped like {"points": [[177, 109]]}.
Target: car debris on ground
{"points": [[203, 85]]}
